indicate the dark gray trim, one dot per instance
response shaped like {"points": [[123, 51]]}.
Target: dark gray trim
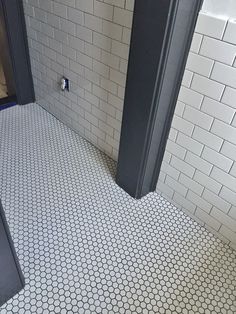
{"points": [[19, 51], [11, 279], [161, 37]]}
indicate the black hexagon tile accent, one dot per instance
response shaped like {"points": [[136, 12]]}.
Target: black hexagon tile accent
{"points": [[85, 246]]}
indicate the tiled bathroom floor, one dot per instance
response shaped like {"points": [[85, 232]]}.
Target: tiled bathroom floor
{"points": [[85, 246]]}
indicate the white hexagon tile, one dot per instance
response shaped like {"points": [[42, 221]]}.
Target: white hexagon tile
{"points": [[85, 246]]}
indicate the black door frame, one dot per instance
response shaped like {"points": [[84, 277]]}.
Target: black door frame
{"points": [[161, 37], [18, 49], [11, 279]]}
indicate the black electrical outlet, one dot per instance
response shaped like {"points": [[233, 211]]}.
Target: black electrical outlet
{"points": [[67, 84]]}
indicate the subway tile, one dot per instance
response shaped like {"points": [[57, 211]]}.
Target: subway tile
{"points": [[93, 23], [224, 74], [198, 163], [210, 25], [101, 68], [118, 77], [176, 186], [118, 3], [207, 86], [232, 212], [115, 101], [171, 171], [123, 17], [218, 50], [60, 9], [165, 189], [182, 166], [228, 195], [224, 130], [224, 178], [199, 201], [85, 6], [182, 201], [218, 110], [233, 169], [228, 233], [217, 159], [112, 30], [207, 219], [175, 149], [191, 184], [189, 143], [109, 86], [199, 64], [129, 5], [76, 16], [229, 150], [207, 182], [126, 35], [198, 118], [217, 201], [190, 97], [102, 41], [103, 10], [106, 107], [187, 78], [196, 42], [182, 125], [84, 33], [230, 33], [179, 109], [229, 97], [224, 219], [120, 49], [207, 138]]}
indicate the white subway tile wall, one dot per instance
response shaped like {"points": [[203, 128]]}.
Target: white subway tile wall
{"points": [[88, 42], [199, 169]]}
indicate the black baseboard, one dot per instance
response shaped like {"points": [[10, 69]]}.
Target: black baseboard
{"points": [[8, 99]]}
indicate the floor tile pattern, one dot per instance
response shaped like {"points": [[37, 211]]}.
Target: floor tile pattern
{"points": [[85, 246]]}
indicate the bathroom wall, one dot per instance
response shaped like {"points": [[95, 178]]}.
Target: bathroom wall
{"points": [[199, 169], [87, 41], [226, 8]]}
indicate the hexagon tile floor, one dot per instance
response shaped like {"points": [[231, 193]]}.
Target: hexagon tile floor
{"points": [[85, 246]]}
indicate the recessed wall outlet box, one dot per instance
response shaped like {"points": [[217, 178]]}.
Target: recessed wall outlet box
{"points": [[65, 84]]}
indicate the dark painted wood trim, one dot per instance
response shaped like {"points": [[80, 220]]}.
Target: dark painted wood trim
{"points": [[7, 99], [11, 279], [19, 51], [161, 37]]}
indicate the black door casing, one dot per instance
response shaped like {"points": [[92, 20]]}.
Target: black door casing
{"points": [[11, 278], [13, 13]]}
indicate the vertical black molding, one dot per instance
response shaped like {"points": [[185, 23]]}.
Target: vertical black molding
{"points": [[11, 278], [161, 38], [19, 51]]}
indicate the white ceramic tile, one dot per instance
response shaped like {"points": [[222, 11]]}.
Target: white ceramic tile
{"points": [[229, 97], [210, 25], [224, 130], [199, 64], [218, 110], [198, 118], [207, 138], [85, 246], [230, 33], [218, 50], [208, 87], [224, 74]]}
